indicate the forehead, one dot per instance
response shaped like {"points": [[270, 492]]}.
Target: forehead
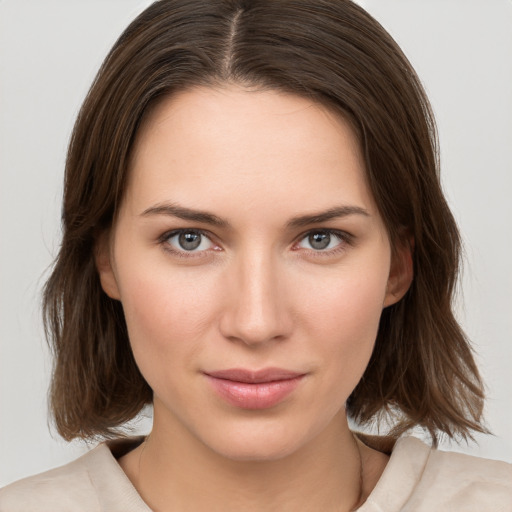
{"points": [[216, 144]]}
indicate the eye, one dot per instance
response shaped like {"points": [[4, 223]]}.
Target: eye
{"points": [[187, 240], [322, 240]]}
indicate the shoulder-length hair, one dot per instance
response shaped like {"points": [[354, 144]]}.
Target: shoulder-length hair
{"points": [[422, 370]]}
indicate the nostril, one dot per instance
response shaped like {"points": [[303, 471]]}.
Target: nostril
{"points": [[254, 327]]}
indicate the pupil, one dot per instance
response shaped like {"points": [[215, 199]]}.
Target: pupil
{"points": [[189, 241], [319, 240]]}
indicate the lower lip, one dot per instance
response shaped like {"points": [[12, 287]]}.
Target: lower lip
{"points": [[261, 395]]}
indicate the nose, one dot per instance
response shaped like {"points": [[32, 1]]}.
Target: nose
{"points": [[257, 307]]}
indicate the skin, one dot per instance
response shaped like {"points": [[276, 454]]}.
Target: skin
{"points": [[255, 294]]}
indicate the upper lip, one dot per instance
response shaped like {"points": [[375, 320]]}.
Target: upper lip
{"points": [[255, 376]]}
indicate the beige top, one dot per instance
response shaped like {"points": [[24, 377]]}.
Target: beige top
{"points": [[416, 479]]}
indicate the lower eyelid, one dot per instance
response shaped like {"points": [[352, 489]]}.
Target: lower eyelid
{"points": [[344, 240], [342, 237], [166, 237]]}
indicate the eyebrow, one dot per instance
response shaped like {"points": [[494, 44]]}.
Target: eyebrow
{"points": [[330, 214], [174, 210]]}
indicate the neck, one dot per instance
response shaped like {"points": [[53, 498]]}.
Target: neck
{"points": [[173, 470]]}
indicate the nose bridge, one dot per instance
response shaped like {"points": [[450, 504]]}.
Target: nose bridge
{"points": [[257, 310]]}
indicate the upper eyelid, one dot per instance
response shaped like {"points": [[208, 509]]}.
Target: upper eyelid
{"points": [[343, 235], [163, 242], [174, 232], [345, 240], [303, 234]]}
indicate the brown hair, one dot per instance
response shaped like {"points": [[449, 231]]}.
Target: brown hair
{"points": [[422, 370]]}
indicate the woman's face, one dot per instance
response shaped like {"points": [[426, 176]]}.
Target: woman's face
{"points": [[252, 266]]}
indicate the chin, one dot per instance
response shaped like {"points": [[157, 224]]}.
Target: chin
{"points": [[266, 442], [259, 451]]}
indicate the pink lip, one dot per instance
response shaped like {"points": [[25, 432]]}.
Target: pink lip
{"points": [[260, 389]]}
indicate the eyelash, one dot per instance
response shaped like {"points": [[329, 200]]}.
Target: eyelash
{"points": [[343, 237], [164, 242]]}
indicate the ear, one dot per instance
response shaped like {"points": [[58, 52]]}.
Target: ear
{"points": [[103, 260], [401, 272]]}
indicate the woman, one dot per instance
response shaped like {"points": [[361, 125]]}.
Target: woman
{"points": [[256, 243]]}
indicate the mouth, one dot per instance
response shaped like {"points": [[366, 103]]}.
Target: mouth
{"points": [[247, 389]]}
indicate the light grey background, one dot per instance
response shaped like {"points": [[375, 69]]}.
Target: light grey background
{"points": [[49, 53]]}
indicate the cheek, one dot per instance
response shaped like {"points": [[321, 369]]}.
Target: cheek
{"points": [[167, 314], [344, 320], [351, 301]]}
